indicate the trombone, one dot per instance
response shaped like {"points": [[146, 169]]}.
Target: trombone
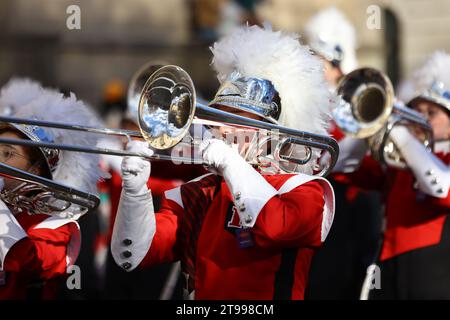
{"points": [[167, 107], [38, 195], [367, 110]]}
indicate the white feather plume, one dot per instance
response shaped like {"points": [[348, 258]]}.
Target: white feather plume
{"points": [[435, 68], [406, 91], [279, 57], [75, 169], [330, 25], [17, 92]]}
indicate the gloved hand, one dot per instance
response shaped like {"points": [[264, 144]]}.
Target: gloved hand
{"points": [[218, 155], [351, 153], [248, 188], [136, 170]]}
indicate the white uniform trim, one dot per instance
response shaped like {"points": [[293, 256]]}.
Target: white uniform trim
{"points": [[328, 210], [175, 195], [442, 147], [10, 232]]}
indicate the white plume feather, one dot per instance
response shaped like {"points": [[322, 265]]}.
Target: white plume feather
{"points": [[17, 92], [435, 68], [330, 25], [279, 57], [76, 169]]}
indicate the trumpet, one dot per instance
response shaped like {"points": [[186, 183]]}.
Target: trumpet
{"points": [[167, 110], [367, 109]]}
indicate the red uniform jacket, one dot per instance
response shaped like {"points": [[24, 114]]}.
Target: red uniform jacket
{"points": [[199, 225], [165, 176], [413, 219], [42, 249]]}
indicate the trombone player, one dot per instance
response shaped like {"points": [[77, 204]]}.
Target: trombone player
{"points": [[238, 233], [37, 243], [414, 260]]}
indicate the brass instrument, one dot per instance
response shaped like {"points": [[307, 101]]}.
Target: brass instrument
{"points": [[368, 109], [167, 109]]}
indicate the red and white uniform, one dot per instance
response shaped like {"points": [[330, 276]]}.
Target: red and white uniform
{"points": [[35, 251], [198, 225], [414, 219]]}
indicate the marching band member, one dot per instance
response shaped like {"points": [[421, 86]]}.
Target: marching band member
{"points": [[333, 38], [37, 247], [238, 233], [167, 176], [414, 260]]}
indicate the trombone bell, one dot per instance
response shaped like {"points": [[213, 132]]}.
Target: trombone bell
{"points": [[166, 107]]}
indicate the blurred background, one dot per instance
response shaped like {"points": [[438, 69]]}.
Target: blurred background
{"points": [[117, 37]]}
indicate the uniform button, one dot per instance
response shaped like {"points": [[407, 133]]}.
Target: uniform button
{"points": [[126, 265], [429, 172], [435, 181], [126, 254], [248, 219], [237, 196], [440, 190], [127, 242]]}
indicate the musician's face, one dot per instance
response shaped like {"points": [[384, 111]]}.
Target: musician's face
{"points": [[332, 73], [16, 156], [436, 116], [242, 137]]}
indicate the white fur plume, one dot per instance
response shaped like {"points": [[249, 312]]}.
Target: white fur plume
{"points": [[296, 74], [75, 169], [435, 68], [17, 92], [332, 27], [406, 91], [279, 57]]}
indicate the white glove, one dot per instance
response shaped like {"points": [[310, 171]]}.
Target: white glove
{"points": [[431, 173], [248, 188], [136, 170], [135, 223], [351, 153], [217, 154]]}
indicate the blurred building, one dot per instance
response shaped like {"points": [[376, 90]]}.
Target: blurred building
{"points": [[118, 36], [410, 29]]}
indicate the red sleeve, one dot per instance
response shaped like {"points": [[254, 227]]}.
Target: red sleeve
{"points": [[42, 254], [369, 176], [292, 219], [163, 247], [439, 204]]}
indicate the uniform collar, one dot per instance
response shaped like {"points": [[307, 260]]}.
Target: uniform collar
{"points": [[442, 146]]}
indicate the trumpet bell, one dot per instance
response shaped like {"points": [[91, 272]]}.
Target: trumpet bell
{"points": [[367, 100], [367, 110], [166, 107]]}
